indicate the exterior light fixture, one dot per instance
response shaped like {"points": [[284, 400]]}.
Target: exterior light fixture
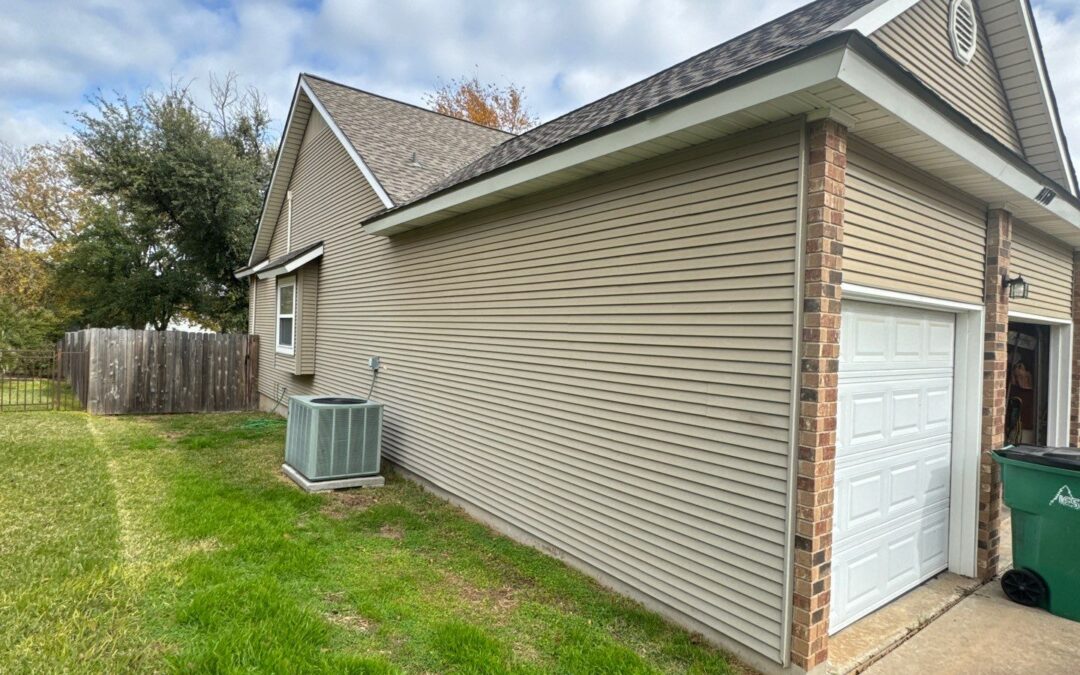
{"points": [[1018, 288]]}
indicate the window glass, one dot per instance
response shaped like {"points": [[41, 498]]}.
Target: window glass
{"points": [[285, 300]]}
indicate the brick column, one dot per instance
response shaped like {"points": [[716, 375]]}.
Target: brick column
{"points": [[823, 271], [995, 386], [1074, 402]]}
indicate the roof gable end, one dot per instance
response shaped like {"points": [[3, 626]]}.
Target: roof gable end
{"points": [[1009, 30], [304, 104]]}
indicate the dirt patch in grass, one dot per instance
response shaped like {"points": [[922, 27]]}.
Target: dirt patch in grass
{"points": [[502, 600], [341, 505], [347, 620], [394, 532]]}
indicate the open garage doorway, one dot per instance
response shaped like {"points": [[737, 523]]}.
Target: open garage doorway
{"points": [[1037, 398]]}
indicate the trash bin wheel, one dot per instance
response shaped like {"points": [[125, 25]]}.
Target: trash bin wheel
{"points": [[1024, 587]]}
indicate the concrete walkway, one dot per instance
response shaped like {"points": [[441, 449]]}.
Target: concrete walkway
{"points": [[986, 633]]}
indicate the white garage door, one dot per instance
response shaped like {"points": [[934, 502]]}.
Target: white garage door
{"points": [[894, 438]]}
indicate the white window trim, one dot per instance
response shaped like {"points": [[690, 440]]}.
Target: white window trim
{"points": [[291, 348]]}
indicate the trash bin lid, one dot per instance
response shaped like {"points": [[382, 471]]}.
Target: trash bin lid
{"points": [[1062, 458]]}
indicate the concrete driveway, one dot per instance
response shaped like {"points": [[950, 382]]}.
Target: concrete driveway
{"points": [[986, 633]]}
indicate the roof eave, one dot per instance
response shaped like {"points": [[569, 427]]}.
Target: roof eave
{"points": [[831, 59], [814, 64]]}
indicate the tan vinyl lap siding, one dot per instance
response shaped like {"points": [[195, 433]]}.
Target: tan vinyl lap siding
{"points": [[919, 40], [1047, 265], [607, 366], [905, 232]]}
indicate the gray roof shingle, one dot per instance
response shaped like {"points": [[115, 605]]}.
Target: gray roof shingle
{"points": [[776, 39], [408, 148]]}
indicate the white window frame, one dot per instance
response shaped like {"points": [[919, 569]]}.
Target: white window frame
{"points": [[290, 349]]}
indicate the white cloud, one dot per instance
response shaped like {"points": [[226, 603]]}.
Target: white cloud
{"points": [[1058, 31], [566, 52]]}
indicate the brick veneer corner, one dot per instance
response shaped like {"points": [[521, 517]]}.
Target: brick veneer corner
{"points": [[818, 368], [995, 386]]}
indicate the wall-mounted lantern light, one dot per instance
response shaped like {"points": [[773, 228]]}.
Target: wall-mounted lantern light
{"points": [[1018, 288]]}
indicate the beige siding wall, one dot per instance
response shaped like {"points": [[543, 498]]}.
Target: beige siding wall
{"points": [[307, 294], [1047, 265], [906, 232], [919, 40], [1019, 70], [607, 366]]}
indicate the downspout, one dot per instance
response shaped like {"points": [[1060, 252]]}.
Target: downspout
{"points": [[793, 451]]}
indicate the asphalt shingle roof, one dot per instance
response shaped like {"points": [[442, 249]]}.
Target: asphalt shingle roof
{"points": [[776, 39], [408, 148]]}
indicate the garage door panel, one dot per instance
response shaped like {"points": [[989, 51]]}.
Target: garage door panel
{"points": [[896, 338], [894, 447], [876, 570], [874, 414], [875, 493]]}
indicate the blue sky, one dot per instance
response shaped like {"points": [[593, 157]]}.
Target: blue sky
{"points": [[564, 52]]}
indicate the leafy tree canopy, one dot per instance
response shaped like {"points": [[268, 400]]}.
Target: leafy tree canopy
{"points": [[178, 190], [492, 105]]}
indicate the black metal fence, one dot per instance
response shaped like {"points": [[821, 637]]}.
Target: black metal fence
{"points": [[38, 379]]}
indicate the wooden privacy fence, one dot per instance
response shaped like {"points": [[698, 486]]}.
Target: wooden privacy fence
{"points": [[145, 371]]}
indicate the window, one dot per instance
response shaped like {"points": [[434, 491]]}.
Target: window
{"points": [[963, 30], [286, 315]]}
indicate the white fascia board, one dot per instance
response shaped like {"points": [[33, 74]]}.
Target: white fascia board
{"points": [[251, 270], [892, 97], [292, 265], [873, 16], [274, 173], [795, 78], [375, 185], [1044, 84]]}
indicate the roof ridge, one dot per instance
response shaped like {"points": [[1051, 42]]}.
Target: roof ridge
{"points": [[406, 103], [658, 73]]}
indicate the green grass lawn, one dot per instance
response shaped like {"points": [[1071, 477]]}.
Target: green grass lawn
{"points": [[174, 544]]}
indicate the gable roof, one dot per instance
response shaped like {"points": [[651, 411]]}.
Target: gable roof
{"points": [[408, 148], [771, 41], [398, 147], [1018, 54], [805, 27]]}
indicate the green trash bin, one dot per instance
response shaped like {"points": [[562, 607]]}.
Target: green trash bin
{"points": [[1042, 488]]}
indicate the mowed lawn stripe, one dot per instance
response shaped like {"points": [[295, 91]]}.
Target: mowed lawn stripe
{"points": [[216, 563], [64, 604]]}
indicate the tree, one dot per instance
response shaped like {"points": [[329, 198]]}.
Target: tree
{"points": [[183, 187], [29, 315], [39, 204], [120, 271], [488, 104]]}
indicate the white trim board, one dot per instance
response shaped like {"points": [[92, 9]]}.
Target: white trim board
{"points": [[808, 73], [873, 16], [1059, 384], [895, 99], [788, 617], [252, 270], [292, 265], [967, 416], [1016, 182], [302, 88], [375, 185], [1044, 84]]}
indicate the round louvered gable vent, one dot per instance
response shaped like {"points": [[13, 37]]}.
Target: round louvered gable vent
{"points": [[963, 29]]}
